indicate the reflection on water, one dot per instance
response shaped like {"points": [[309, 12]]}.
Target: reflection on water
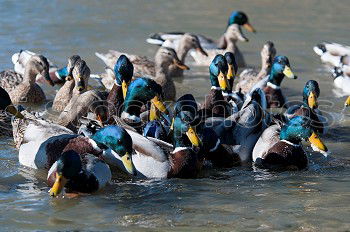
{"points": [[243, 198]]}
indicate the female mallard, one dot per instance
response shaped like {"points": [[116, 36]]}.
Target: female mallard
{"points": [[65, 93], [232, 35], [41, 146], [105, 105], [163, 59], [27, 90], [215, 103], [249, 77], [145, 67], [82, 173], [241, 130], [7, 107], [236, 17], [21, 58], [272, 83], [280, 146], [309, 108], [332, 53]]}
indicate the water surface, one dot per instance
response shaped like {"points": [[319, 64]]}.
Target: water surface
{"points": [[316, 199]]}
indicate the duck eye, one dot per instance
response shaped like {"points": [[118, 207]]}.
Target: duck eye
{"points": [[119, 141]]}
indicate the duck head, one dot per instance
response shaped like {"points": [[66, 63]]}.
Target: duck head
{"points": [[232, 67], [118, 140], [218, 73], [124, 70], [72, 60], [6, 104], [167, 56], [280, 69], [241, 19], [298, 129], [184, 135], [268, 53], [192, 41], [38, 64], [234, 33], [347, 103], [81, 74], [141, 91], [69, 166], [310, 94]]}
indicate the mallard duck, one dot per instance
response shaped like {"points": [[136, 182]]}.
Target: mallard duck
{"points": [[157, 159], [7, 107], [347, 102], [78, 173], [146, 67], [309, 107], [43, 144], [341, 81], [215, 103], [332, 53], [163, 59], [27, 90], [249, 77], [272, 83], [20, 60], [65, 93], [236, 17], [141, 91], [232, 35], [241, 130], [71, 112], [280, 145]]}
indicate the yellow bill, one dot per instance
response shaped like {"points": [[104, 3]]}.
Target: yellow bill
{"points": [[312, 100], [288, 72], [347, 103], [58, 186], [249, 27], [159, 104], [230, 74], [128, 164], [124, 88], [317, 142], [13, 110], [153, 113], [223, 81], [193, 137]]}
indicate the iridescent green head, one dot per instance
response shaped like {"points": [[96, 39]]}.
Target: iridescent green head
{"points": [[123, 70], [240, 18], [280, 69], [310, 94], [218, 73]]}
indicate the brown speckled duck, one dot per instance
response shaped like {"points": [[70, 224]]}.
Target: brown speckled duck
{"points": [[65, 93], [28, 91], [249, 77]]}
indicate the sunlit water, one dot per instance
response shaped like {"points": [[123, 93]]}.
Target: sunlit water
{"points": [[238, 199]]}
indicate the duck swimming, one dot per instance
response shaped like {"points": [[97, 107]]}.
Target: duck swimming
{"points": [[78, 173], [163, 59], [272, 83], [249, 77], [332, 53], [27, 90], [280, 145], [309, 108]]}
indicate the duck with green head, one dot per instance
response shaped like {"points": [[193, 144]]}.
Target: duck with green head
{"points": [[6, 107], [112, 144], [280, 145], [139, 93], [309, 107], [215, 103], [78, 173], [272, 83]]}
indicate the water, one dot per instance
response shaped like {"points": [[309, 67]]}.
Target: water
{"points": [[238, 199]]}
